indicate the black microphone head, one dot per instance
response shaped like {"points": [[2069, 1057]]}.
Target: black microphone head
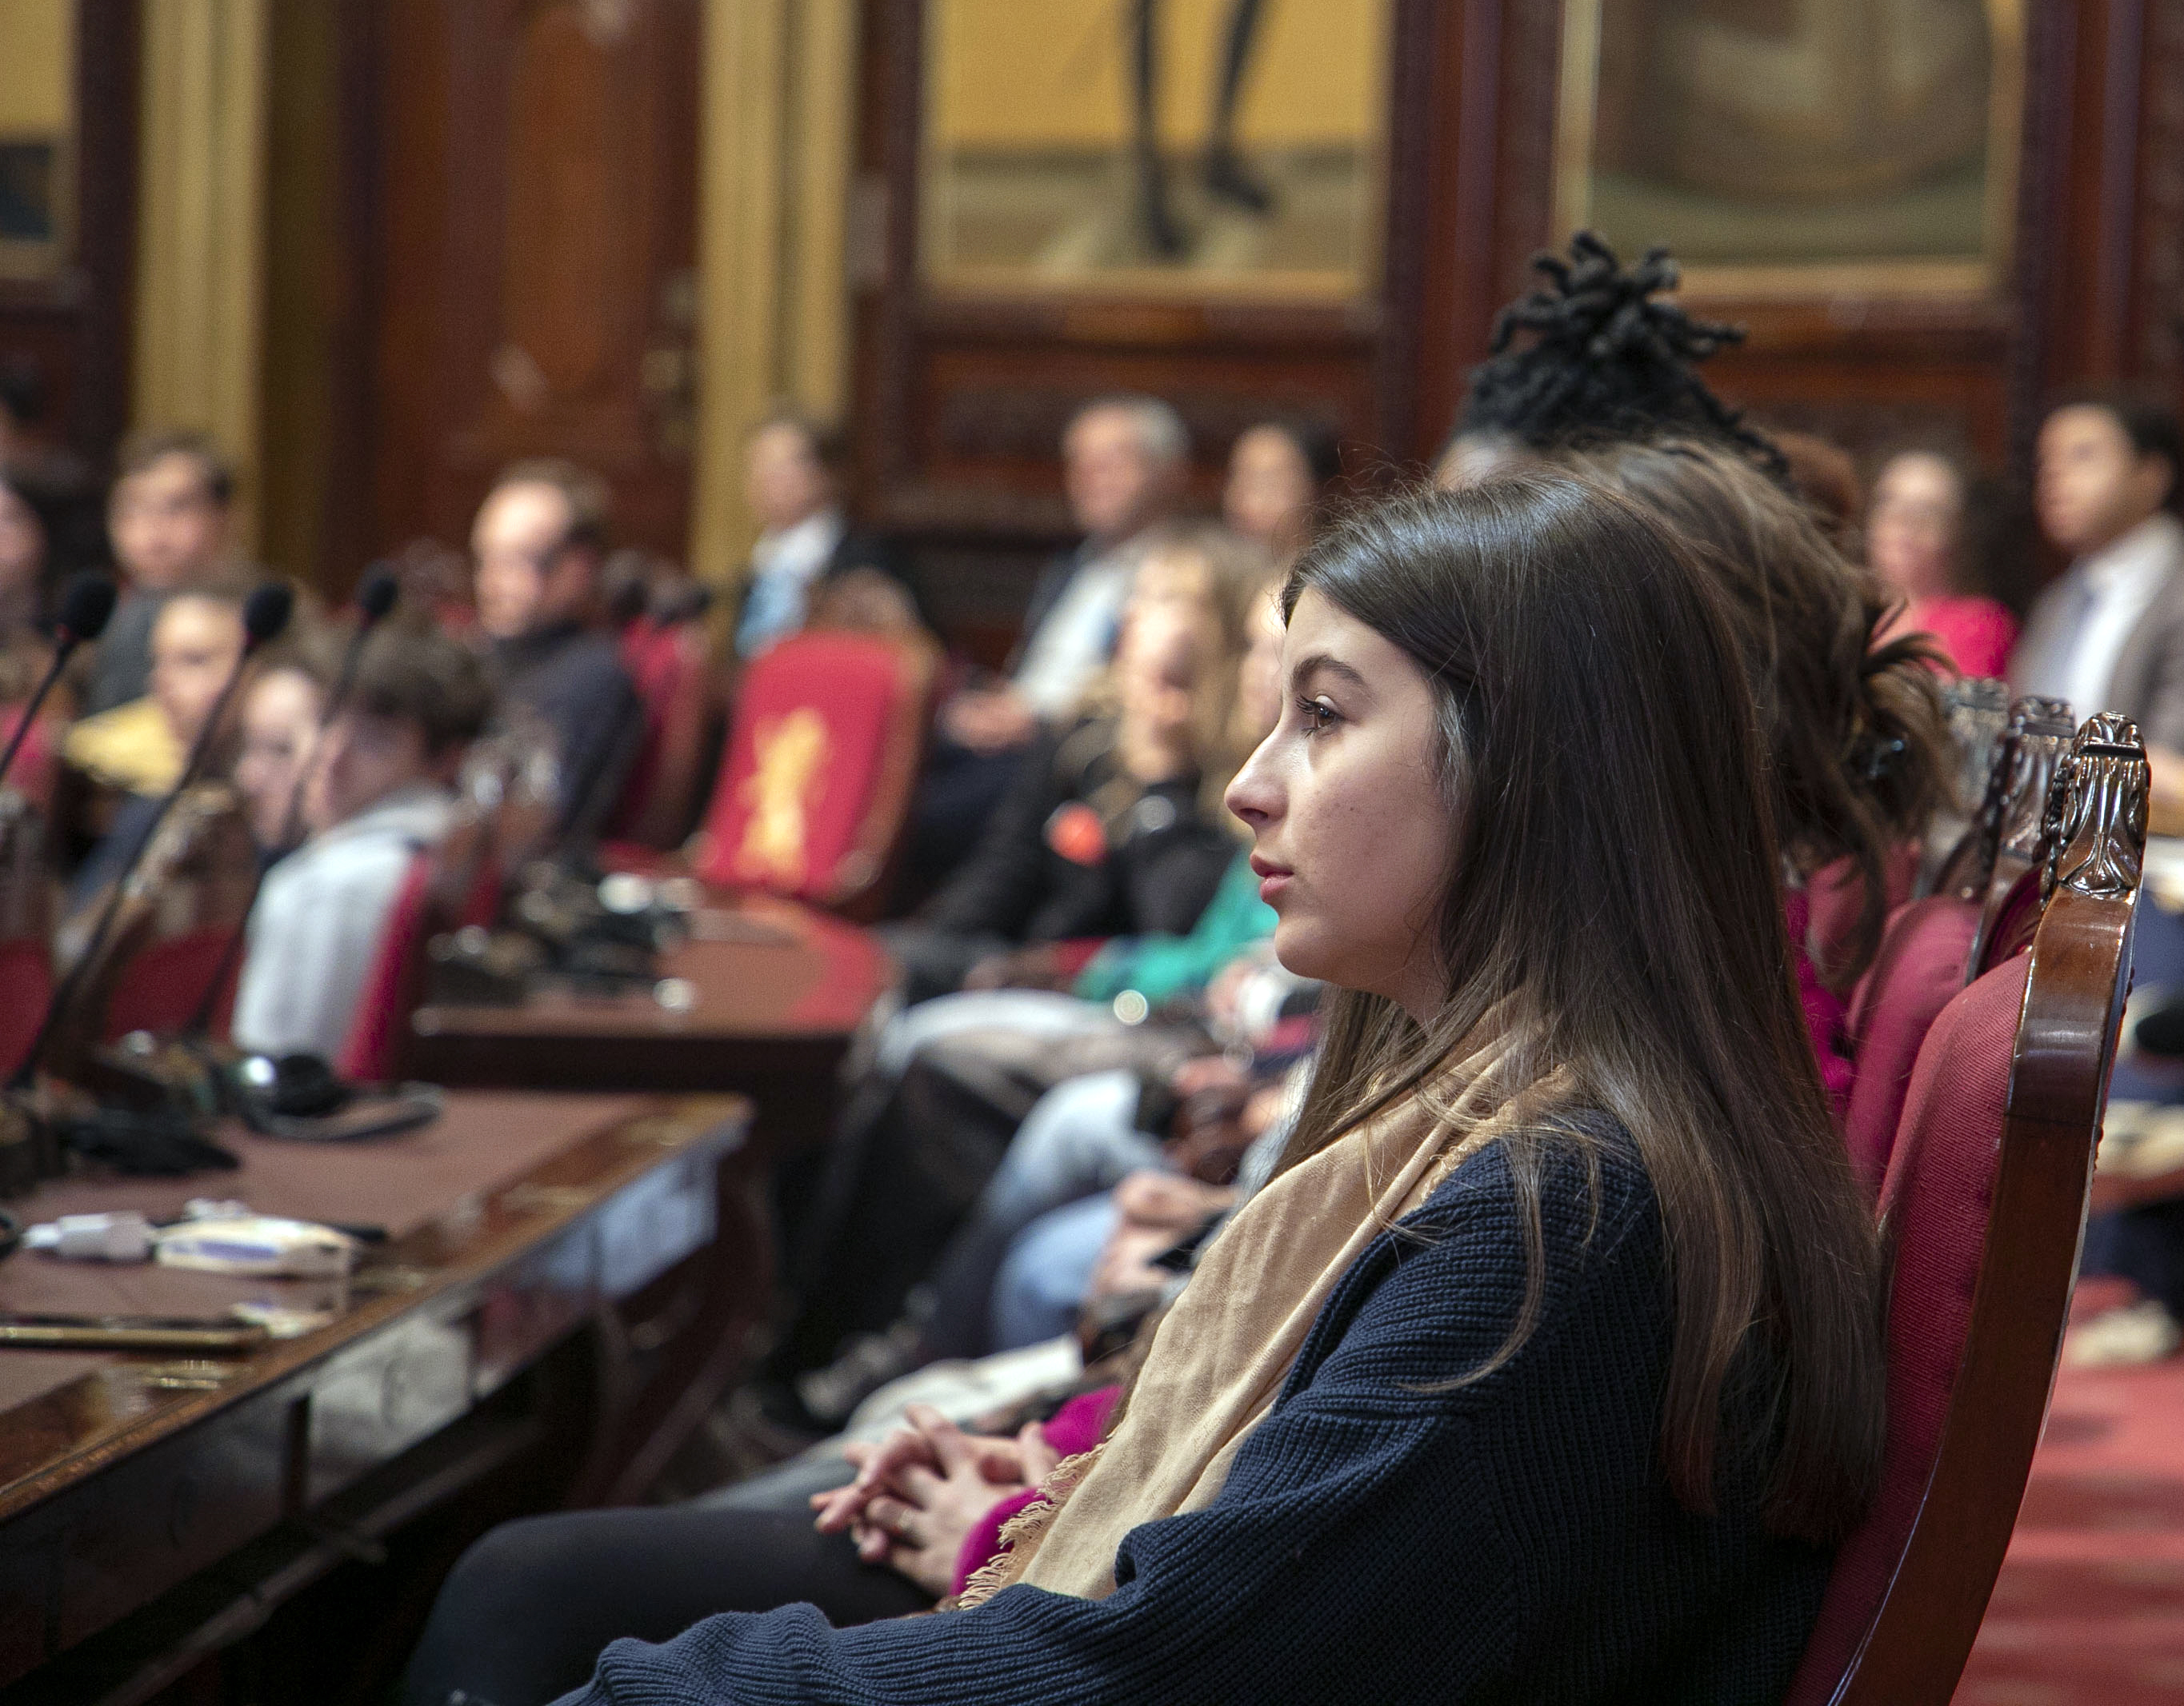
{"points": [[86, 605], [377, 596], [265, 614]]}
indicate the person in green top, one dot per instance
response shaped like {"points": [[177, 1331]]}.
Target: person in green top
{"points": [[1164, 968]]}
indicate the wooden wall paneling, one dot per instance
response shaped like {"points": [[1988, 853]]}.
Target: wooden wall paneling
{"points": [[2156, 350], [322, 275], [107, 78], [75, 331], [539, 232], [409, 231]]}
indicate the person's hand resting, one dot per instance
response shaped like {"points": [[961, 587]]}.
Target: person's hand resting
{"points": [[1036, 967], [1151, 1200], [989, 720], [920, 1493]]}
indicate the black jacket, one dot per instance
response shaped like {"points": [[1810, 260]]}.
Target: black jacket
{"points": [[1153, 866], [571, 678]]}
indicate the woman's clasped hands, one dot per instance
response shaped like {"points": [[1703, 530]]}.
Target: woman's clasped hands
{"points": [[920, 1491]]}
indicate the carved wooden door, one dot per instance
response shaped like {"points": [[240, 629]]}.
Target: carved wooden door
{"points": [[538, 240]]}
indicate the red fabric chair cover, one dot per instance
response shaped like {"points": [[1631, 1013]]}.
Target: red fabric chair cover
{"points": [[1837, 896], [372, 1052], [1934, 1204], [159, 988], [27, 984], [669, 665], [1919, 970], [817, 719]]}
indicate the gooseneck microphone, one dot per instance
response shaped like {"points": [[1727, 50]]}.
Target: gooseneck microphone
{"points": [[86, 606], [265, 616], [374, 599]]}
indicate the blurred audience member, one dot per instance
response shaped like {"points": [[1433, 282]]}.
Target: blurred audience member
{"points": [[1123, 463], [792, 481], [139, 748], [1915, 542], [378, 792], [1114, 825], [2108, 636], [168, 519], [1086, 1133], [1278, 475], [279, 731], [540, 540]]}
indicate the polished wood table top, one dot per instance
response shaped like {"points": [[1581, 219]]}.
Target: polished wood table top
{"points": [[509, 1221], [765, 989]]}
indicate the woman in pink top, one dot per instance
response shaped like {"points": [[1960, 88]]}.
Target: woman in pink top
{"points": [[1914, 541]]}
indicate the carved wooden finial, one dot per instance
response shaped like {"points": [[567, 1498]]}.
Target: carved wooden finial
{"points": [[2040, 730], [2098, 810]]}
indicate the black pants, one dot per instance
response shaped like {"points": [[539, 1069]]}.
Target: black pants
{"points": [[522, 1618], [2144, 1245]]}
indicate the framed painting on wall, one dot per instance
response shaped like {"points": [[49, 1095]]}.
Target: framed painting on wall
{"points": [[1797, 148], [1230, 148], [37, 127]]}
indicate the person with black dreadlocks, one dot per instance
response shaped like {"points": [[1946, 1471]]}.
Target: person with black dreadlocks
{"points": [[1595, 371]]}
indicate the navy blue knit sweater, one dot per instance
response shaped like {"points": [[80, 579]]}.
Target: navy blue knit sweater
{"points": [[1377, 1541]]}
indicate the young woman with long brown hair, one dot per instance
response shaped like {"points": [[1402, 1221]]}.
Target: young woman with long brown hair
{"points": [[1549, 1365]]}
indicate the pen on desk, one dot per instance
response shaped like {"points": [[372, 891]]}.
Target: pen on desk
{"points": [[129, 1333]]}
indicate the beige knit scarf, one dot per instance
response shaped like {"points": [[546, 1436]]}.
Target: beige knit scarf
{"points": [[1219, 1359]]}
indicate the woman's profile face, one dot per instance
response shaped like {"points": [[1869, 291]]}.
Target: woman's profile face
{"points": [[1911, 531], [1351, 837]]}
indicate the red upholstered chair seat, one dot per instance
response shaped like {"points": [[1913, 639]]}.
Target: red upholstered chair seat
{"points": [[815, 782], [1919, 970]]}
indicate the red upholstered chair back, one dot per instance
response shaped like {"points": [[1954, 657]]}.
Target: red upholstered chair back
{"points": [[814, 786], [1982, 1207], [27, 984], [159, 985], [1919, 967], [372, 1054], [672, 665]]}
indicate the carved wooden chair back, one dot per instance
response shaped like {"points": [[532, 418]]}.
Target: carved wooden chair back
{"points": [[1983, 1209], [2020, 835], [1977, 712], [1931, 947]]}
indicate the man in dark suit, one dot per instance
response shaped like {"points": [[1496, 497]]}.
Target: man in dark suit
{"points": [[539, 540], [1124, 460], [2108, 635], [806, 549]]}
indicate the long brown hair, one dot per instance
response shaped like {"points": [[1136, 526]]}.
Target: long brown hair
{"points": [[1853, 730], [1612, 926]]}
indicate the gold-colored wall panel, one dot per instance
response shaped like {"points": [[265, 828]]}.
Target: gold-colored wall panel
{"points": [[200, 227]]}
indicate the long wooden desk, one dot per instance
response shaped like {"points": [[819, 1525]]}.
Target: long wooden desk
{"points": [[774, 993], [166, 1505]]}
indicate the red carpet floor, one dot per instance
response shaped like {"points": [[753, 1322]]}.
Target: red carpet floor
{"points": [[2089, 1610]]}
